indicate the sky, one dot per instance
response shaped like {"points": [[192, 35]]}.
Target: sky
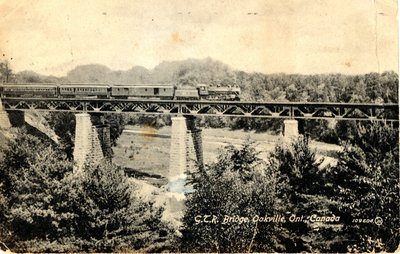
{"points": [[51, 37]]}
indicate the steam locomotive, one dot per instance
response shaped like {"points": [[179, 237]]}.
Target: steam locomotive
{"points": [[105, 91]]}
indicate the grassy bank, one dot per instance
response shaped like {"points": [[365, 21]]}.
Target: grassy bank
{"points": [[146, 149]]}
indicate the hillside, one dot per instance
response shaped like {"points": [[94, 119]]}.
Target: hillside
{"points": [[187, 71]]}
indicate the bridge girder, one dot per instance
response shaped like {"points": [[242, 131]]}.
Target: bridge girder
{"points": [[293, 110]]}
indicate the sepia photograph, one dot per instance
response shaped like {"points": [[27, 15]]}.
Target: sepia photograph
{"points": [[182, 126]]}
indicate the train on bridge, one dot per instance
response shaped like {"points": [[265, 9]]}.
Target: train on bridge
{"points": [[105, 91]]}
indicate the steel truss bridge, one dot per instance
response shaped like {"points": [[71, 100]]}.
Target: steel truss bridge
{"points": [[289, 110]]}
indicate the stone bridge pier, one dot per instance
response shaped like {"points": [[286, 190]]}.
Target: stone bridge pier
{"points": [[10, 119], [4, 119], [291, 128], [92, 142], [186, 152]]}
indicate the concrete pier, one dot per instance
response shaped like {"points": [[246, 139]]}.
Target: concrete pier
{"points": [[177, 157], [5, 122], [186, 151], [4, 119], [83, 129], [88, 143], [291, 128]]}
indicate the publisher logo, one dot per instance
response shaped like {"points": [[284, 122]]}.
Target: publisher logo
{"points": [[378, 221]]}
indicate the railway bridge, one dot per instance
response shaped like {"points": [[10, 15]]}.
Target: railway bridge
{"points": [[186, 141]]}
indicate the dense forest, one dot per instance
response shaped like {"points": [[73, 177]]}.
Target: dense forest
{"points": [[254, 201]]}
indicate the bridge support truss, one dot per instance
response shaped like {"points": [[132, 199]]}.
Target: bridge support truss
{"points": [[284, 110]]}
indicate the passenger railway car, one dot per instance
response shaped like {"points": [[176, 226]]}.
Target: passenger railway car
{"points": [[162, 92], [28, 90], [100, 91], [149, 91]]}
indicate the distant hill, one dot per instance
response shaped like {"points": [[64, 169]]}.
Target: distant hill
{"points": [[92, 73], [33, 77], [190, 71], [193, 71]]}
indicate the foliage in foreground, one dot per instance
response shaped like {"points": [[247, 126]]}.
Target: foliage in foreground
{"points": [[365, 184], [356, 193], [109, 214], [32, 176], [232, 191], [48, 208]]}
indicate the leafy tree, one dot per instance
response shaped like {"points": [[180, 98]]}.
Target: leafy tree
{"points": [[365, 185], [321, 130], [116, 122], [31, 177], [300, 191], [48, 208], [6, 73], [390, 85], [212, 121], [110, 216], [63, 124], [244, 123], [157, 121], [291, 93], [372, 85], [237, 186]]}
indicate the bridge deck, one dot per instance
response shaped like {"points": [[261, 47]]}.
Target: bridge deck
{"points": [[294, 110]]}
